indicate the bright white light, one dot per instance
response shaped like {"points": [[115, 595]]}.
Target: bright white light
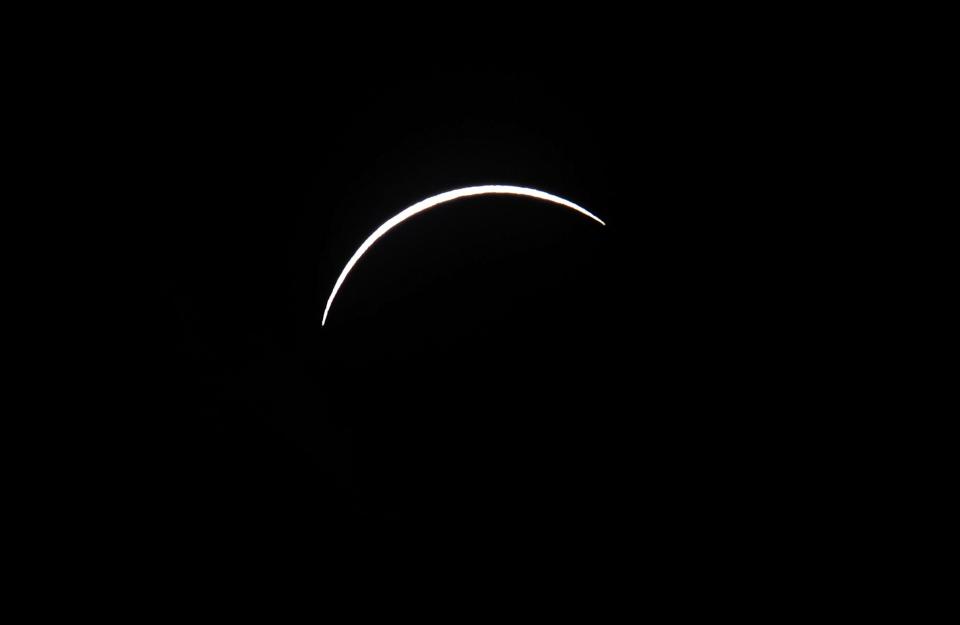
{"points": [[430, 202]]}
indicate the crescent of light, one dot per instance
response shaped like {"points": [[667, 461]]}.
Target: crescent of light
{"points": [[430, 202]]}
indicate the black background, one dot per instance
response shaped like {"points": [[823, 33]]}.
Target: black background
{"points": [[495, 371]]}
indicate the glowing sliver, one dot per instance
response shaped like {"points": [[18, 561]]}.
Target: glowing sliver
{"points": [[430, 202]]}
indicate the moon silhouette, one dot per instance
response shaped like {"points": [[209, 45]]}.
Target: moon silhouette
{"points": [[436, 200]]}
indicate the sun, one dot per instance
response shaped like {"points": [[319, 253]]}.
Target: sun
{"points": [[436, 200]]}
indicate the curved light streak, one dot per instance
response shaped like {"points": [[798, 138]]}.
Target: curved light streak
{"points": [[430, 202]]}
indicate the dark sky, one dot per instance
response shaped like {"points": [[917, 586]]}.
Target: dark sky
{"points": [[497, 364]]}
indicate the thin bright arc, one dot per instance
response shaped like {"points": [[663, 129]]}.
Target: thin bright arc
{"points": [[442, 198]]}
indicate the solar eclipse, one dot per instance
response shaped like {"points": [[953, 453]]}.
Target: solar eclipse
{"points": [[436, 200]]}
